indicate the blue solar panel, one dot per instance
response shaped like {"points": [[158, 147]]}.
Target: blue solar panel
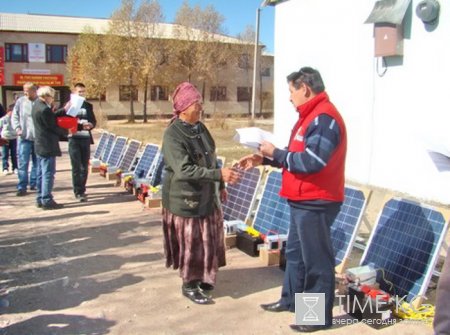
{"points": [[146, 160], [346, 224], [101, 145], [405, 243], [129, 155], [273, 213], [155, 173], [241, 196], [108, 147], [116, 151]]}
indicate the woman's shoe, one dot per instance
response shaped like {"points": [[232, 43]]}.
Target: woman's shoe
{"points": [[196, 295], [206, 289]]}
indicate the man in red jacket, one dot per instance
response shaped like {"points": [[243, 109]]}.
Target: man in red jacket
{"points": [[313, 180]]}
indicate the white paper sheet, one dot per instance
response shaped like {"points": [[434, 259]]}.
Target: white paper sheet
{"points": [[252, 137], [76, 102]]}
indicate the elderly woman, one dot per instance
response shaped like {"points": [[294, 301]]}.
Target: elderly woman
{"points": [[192, 190], [46, 145]]}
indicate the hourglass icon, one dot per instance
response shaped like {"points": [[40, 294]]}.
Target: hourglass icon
{"points": [[310, 315]]}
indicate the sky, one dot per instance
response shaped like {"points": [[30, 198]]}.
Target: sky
{"points": [[238, 14]]}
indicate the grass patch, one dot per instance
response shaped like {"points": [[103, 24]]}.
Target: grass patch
{"points": [[222, 133]]}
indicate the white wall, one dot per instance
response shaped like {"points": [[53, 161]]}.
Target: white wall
{"points": [[389, 119]]}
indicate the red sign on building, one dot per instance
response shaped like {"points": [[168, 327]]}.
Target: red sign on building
{"points": [[38, 79], [2, 66]]}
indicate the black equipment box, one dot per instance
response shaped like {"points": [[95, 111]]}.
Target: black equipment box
{"points": [[374, 312], [248, 243]]}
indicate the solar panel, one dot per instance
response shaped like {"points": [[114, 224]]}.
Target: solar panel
{"points": [[116, 151], [241, 196], [405, 243], [155, 173], [108, 147], [146, 160], [128, 157], [101, 145], [345, 227], [273, 213]]}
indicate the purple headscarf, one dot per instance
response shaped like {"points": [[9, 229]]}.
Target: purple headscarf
{"points": [[184, 96]]}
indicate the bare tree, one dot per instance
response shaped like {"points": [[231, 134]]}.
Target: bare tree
{"points": [[124, 47], [152, 49], [245, 54], [87, 63]]}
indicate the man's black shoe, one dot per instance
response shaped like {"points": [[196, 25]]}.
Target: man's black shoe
{"points": [[32, 188], [81, 197], [196, 295], [21, 193], [275, 307], [308, 328], [52, 205]]}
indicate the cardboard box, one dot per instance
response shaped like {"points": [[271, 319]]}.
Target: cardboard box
{"points": [[153, 202], [94, 169], [269, 257], [230, 241]]}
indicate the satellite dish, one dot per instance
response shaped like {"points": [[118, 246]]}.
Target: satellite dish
{"points": [[428, 11]]}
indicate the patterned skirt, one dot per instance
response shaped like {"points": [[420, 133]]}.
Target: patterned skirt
{"points": [[194, 245]]}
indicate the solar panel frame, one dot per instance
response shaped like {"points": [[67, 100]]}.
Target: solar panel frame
{"points": [[145, 162], [116, 151], [273, 212], [108, 147], [129, 156], [242, 195], [101, 145], [155, 172], [437, 220], [345, 227]]}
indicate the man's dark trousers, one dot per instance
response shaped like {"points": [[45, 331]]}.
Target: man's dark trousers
{"points": [[80, 152], [310, 256]]}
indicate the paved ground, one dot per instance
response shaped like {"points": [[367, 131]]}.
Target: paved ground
{"points": [[98, 268]]}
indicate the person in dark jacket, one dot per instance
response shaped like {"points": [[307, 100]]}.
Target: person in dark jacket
{"points": [[313, 183], [80, 145], [192, 189], [46, 145], [441, 322]]}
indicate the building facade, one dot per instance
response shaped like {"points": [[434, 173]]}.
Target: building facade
{"points": [[393, 105], [34, 48]]}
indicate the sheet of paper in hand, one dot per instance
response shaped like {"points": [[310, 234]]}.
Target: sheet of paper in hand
{"points": [[252, 137], [75, 104]]}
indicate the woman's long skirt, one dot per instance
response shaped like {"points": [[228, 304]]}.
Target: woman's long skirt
{"points": [[194, 245]]}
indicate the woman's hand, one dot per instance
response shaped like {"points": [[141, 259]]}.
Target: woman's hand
{"points": [[230, 175], [250, 161]]}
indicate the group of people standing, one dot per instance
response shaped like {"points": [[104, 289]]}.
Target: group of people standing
{"points": [[313, 167], [33, 121]]}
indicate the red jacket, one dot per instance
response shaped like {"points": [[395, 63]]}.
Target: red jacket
{"points": [[328, 183]]}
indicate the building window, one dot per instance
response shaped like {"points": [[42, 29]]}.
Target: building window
{"points": [[91, 97], [159, 93], [244, 93], [125, 92], [16, 52], [244, 61], [56, 53], [265, 72], [218, 93]]}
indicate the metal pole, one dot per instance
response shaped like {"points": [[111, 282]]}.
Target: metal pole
{"points": [[255, 63]]}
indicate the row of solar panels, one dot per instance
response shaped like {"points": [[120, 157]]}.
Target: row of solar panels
{"points": [[405, 241], [117, 154]]}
